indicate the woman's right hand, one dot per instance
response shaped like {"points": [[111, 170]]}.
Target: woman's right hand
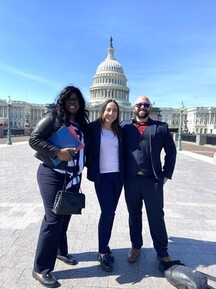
{"points": [[66, 154]]}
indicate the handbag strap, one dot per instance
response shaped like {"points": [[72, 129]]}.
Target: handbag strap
{"points": [[65, 179], [75, 172], [75, 175]]}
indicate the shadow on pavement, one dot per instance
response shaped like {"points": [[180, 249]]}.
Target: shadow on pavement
{"points": [[193, 253]]}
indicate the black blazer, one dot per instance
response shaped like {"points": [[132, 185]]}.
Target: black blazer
{"points": [[38, 140], [93, 152], [159, 138]]}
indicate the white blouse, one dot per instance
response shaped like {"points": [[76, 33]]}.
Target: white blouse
{"points": [[109, 162]]}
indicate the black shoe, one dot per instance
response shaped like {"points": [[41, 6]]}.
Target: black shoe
{"points": [[46, 280], [109, 252], [69, 259], [105, 262], [111, 257]]}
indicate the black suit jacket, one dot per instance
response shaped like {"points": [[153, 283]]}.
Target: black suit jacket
{"points": [[159, 138], [93, 152]]}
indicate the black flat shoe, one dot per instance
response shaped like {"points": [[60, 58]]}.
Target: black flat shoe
{"points": [[46, 280], [105, 262], [69, 259], [111, 257]]}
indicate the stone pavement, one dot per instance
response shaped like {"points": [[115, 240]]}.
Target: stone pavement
{"points": [[206, 150], [190, 207]]}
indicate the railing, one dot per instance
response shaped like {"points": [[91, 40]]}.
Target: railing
{"points": [[199, 139], [211, 140], [189, 137], [16, 132]]}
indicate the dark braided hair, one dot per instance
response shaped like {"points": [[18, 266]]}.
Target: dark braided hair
{"points": [[62, 114]]}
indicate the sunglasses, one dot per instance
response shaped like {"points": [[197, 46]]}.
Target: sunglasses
{"points": [[145, 104]]}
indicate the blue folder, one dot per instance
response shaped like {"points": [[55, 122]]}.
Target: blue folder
{"points": [[63, 138]]}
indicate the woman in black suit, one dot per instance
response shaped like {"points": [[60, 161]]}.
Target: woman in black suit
{"points": [[105, 169]]}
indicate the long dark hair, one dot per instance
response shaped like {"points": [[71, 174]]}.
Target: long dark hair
{"points": [[116, 128], [62, 115]]}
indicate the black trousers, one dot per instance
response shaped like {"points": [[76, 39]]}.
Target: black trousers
{"points": [[108, 191], [52, 237], [148, 189]]}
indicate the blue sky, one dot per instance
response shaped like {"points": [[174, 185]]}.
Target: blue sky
{"points": [[166, 47]]}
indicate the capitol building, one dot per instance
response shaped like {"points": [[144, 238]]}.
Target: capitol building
{"points": [[110, 81]]}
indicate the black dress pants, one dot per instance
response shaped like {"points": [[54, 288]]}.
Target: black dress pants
{"points": [[52, 237], [108, 191], [148, 189]]}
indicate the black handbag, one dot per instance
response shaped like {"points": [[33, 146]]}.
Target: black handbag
{"points": [[69, 202]]}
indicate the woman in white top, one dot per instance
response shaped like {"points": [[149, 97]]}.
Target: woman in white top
{"points": [[104, 163]]}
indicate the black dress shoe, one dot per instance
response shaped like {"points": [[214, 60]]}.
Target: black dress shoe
{"points": [[69, 259], [109, 252], [105, 262], [46, 280], [111, 257]]}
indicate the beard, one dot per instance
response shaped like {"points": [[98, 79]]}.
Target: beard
{"points": [[142, 113]]}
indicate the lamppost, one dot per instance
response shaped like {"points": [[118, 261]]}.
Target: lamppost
{"points": [[27, 124], [9, 142], [181, 110]]}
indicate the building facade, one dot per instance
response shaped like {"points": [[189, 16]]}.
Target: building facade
{"points": [[110, 81], [196, 120], [172, 117], [22, 114], [201, 120]]}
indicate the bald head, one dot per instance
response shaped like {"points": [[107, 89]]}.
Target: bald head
{"points": [[142, 99]]}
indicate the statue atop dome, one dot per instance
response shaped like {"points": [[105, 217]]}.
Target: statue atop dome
{"points": [[111, 40]]}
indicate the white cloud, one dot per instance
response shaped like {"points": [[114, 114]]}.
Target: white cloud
{"points": [[33, 77]]}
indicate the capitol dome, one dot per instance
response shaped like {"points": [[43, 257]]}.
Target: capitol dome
{"points": [[110, 64], [109, 81]]}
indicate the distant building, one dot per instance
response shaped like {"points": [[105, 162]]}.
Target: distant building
{"points": [[110, 81], [198, 120], [168, 115], [22, 114], [172, 117], [201, 120]]}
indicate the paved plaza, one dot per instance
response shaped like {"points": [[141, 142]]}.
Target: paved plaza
{"points": [[190, 211]]}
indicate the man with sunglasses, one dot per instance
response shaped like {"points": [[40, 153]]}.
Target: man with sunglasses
{"points": [[145, 176]]}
